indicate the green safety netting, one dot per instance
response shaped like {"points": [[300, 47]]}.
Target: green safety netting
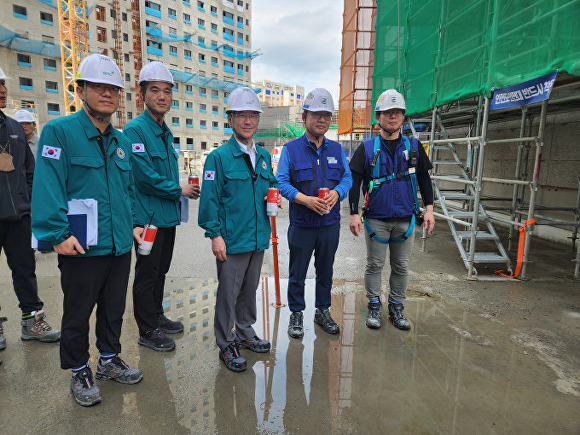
{"points": [[440, 51]]}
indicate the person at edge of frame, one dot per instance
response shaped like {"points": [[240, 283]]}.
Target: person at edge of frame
{"points": [[232, 211], [82, 157], [390, 211], [17, 166], [157, 201], [307, 164]]}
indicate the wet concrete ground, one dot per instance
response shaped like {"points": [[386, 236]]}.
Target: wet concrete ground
{"points": [[481, 357]]}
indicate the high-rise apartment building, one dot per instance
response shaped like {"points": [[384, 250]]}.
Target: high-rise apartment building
{"points": [[276, 94], [206, 45]]}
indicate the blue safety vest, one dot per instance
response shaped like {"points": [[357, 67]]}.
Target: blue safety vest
{"points": [[391, 191], [308, 172]]}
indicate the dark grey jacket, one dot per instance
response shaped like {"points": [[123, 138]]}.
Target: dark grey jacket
{"points": [[16, 185]]}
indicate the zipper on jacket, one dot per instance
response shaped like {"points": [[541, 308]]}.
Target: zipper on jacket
{"points": [[102, 146]]}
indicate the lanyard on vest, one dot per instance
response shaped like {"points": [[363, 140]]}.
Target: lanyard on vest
{"points": [[376, 182]]}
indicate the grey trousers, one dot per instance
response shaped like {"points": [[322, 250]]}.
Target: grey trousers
{"points": [[235, 306], [400, 252]]}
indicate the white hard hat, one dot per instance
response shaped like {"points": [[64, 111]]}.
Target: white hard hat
{"points": [[390, 99], [319, 100], [3, 76], [98, 68], [24, 116], [155, 72], [243, 98]]}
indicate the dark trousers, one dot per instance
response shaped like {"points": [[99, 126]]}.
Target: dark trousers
{"points": [[149, 283], [15, 238], [235, 303], [87, 281], [302, 242]]}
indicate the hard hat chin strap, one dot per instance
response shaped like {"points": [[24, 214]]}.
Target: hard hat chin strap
{"points": [[90, 111]]}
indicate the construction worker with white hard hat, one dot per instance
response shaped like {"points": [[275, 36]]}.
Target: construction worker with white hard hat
{"points": [[390, 167], [307, 165], [83, 164], [156, 173], [26, 119], [16, 174], [232, 211]]}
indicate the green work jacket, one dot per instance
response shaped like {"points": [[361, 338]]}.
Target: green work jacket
{"points": [[70, 165], [231, 204], [156, 172]]}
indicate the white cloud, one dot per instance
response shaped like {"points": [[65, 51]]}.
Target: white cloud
{"points": [[301, 41]]}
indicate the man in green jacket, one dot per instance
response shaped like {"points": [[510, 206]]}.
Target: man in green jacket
{"points": [[232, 211], [156, 174], [84, 162]]}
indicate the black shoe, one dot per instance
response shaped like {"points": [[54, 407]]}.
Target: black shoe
{"points": [[397, 317], [169, 326], [157, 340], [84, 389], [117, 369], [373, 320], [322, 317], [296, 325], [254, 344], [232, 358]]}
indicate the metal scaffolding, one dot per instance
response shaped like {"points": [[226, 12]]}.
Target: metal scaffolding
{"points": [[467, 206]]}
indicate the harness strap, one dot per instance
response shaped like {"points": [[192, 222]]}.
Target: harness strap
{"points": [[376, 182]]}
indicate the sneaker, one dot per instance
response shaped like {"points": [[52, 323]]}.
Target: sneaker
{"points": [[397, 317], [36, 328], [169, 326], [232, 358], [322, 317], [2, 338], [296, 325], [157, 340], [115, 368], [374, 316], [84, 388], [254, 344]]}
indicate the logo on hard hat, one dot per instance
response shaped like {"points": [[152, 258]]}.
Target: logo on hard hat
{"points": [[110, 74], [310, 96], [393, 99], [79, 74], [323, 100]]}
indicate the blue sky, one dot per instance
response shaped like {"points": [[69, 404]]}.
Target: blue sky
{"points": [[300, 40]]}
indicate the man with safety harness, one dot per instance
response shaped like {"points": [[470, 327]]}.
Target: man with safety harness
{"points": [[307, 164], [84, 162], [232, 211], [156, 173], [390, 167]]}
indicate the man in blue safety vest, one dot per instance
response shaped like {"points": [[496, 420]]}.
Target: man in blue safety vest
{"points": [[307, 164], [389, 167]]}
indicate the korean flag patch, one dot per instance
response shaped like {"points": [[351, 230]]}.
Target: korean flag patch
{"points": [[209, 175], [51, 152], [138, 148]]}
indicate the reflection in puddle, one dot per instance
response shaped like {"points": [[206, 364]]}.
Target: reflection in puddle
{"points": [[452, 372]]}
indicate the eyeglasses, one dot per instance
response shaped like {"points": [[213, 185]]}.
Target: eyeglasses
{"points": [[392, 112], [322, 116], [99, 88], [244, 116]]}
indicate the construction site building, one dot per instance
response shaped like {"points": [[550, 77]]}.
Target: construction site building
{"points": [[275, 94], [206, 45]]}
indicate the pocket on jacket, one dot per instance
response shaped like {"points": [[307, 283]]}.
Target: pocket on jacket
{"points": [[333, 171], [304, 171], [88, 162]]}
